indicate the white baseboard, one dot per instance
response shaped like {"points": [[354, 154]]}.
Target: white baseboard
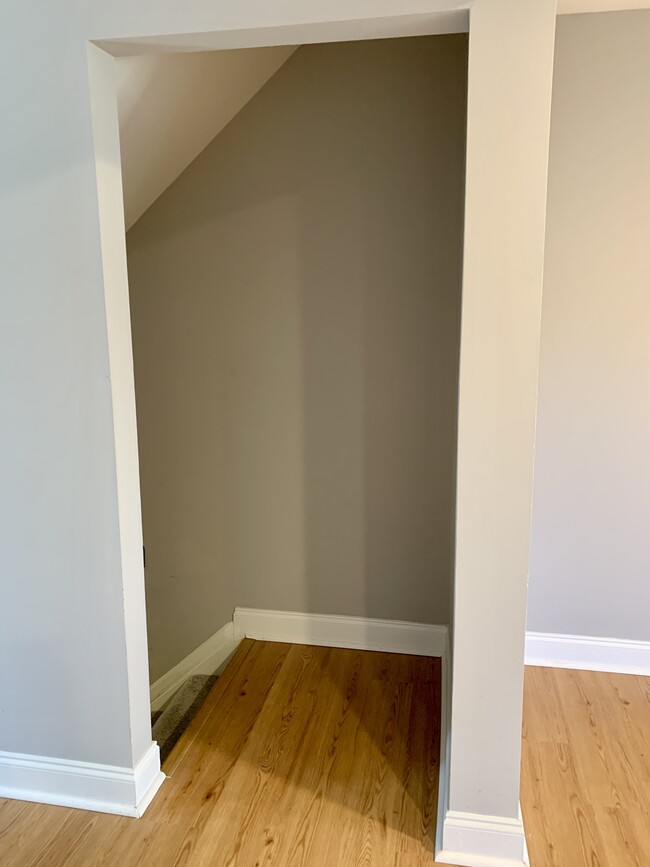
{"points": [[473, 840], [327, 630], [82, 785], [468, 839], [210, 658], [445, 745], [589, 653]]}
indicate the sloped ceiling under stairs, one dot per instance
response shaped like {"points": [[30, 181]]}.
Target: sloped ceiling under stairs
{"points": [[171, 106]]}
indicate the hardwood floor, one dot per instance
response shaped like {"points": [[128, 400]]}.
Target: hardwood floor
{"points": [[300, 756], [315, 757], [585, 789]]}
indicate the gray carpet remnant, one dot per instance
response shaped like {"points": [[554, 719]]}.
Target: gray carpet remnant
{"points": [[178, 713]]}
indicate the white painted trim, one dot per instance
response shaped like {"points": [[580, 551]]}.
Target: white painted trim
{"points": [[82, 785], [327, 630], [445, 744], [148, 778], [209, 658], [474, 840], [466, 839], [554, 650], [480, 841]]}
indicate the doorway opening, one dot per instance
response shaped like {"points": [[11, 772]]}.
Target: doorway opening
{"points": [[295, 297]]}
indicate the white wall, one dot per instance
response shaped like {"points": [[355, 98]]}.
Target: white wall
{"points": [[501, 316], [62, 623], [590, 556], [68, 690], [65, 638], [295, 301], [172, 105]]}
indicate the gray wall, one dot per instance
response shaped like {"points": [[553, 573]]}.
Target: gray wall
{"points": [[295, 303], [590, 557]]}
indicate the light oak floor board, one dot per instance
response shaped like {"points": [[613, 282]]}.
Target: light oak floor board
{"points": [[300, 757], [318, 757], [586, 768]]}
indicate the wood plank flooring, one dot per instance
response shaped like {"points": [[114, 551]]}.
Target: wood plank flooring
{"points": [[300, 757], [315, 757], [585, 789]]}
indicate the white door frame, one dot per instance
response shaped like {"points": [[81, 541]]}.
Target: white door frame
{"points": [[446, 17], [520, 107]]}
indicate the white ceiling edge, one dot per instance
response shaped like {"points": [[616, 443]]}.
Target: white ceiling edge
{"points": [[572, 7], [439, 20], [171, 106]]}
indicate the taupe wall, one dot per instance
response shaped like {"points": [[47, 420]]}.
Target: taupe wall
{"points": [[295, 303], [590, 557]]}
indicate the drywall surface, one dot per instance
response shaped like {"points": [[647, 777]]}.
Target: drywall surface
{"points": [[172, 105], [507, 158], [295, 303], [66, 690], [63, 618], [63, 676], [67, 622], [65, 687], [590, 557]]}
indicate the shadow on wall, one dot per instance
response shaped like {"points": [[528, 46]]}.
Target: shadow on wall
{"points": [[295, 303]]}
